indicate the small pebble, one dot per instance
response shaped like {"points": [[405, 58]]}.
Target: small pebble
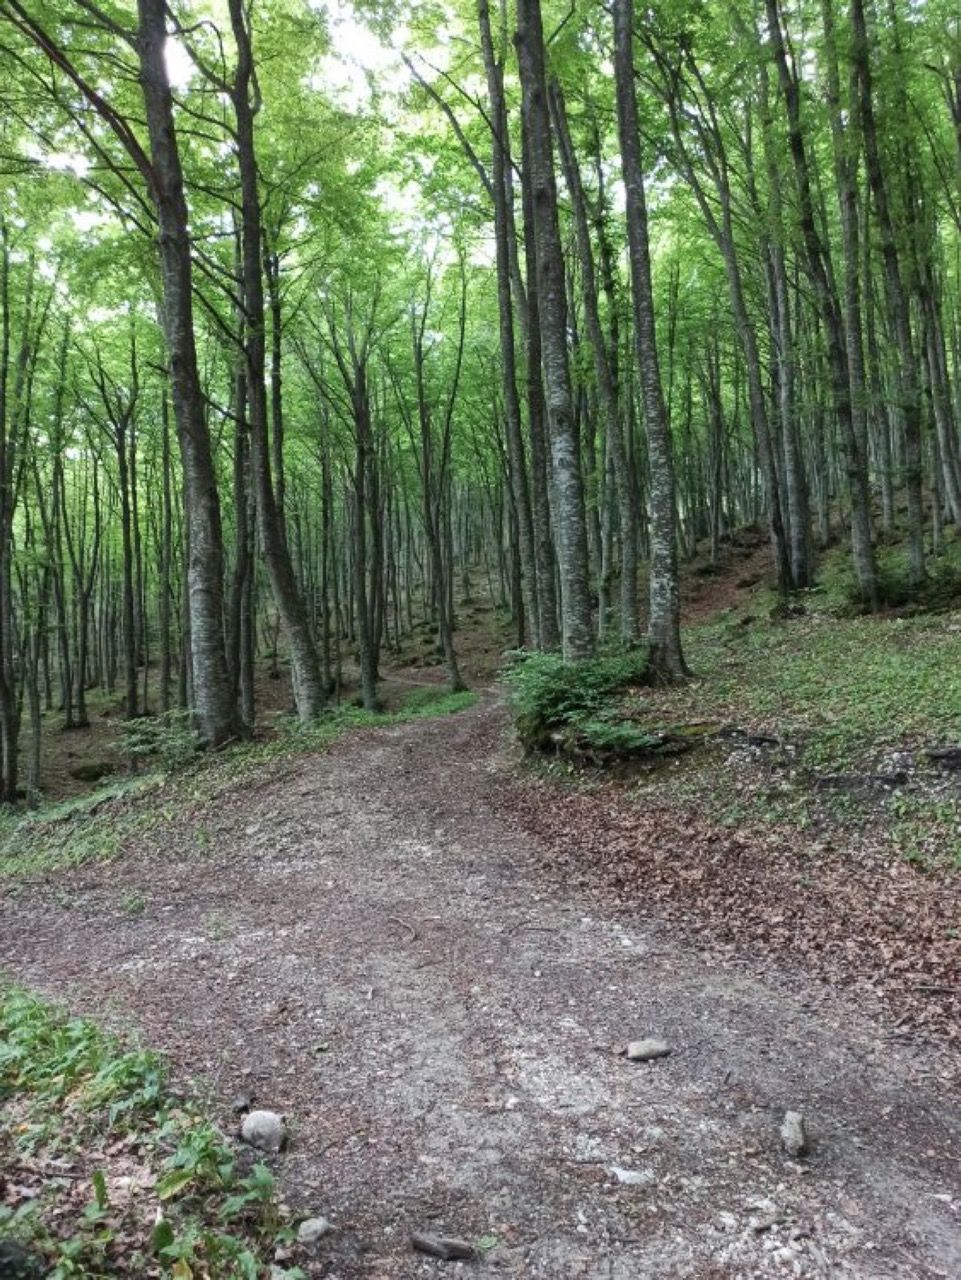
{"points": [[264, 1130], [794, 1137], [631, 1177], [647, 1050], [313, 1229]]}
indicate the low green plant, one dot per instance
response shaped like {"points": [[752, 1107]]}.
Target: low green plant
{"points": [[76, 1090], [170, 740], [550, 696], [428, 701]]}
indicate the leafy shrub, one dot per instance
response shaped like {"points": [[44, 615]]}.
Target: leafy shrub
{"points": [[551, 697], [169, 739]]}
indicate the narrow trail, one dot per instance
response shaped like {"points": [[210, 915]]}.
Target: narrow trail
{"points": [[366, 944]]}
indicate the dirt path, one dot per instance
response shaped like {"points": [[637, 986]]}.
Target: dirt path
{"points": [[366, 944]]}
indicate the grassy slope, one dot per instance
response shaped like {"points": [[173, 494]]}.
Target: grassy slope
{"points": [[817, 715], [844, 694]]}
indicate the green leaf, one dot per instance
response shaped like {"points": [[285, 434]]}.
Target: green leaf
{"points": [[100, 1189], [171, 1184], [162, 1236]]}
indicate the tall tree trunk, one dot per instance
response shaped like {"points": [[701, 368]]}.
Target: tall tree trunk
{"points": [[666, 661], [606, 386], [570, 518], [214, 703], [307, 679], [897, 299], [166, 557], [517, 464], [816, 255]]}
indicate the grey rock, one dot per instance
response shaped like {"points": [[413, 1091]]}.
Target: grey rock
{"points": [[794, 1138], [313, 1229], [631, 1177], [647, 1050], [447, 1248], [264, 1130]]}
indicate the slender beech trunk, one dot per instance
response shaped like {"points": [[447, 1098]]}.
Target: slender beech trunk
{"points": [[214, 703], [897, 299], [817, 265], [570, 519], [166, 557], [305, 665], [666, 661], [517, 463], [606, 386]]}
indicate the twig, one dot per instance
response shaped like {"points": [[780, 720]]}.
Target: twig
{"points": [[45, 1173]]}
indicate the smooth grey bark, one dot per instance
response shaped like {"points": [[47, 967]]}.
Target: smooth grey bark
{"points": [[896, 296], [116, 416], [816, 257], [500, 194], [278, 468], [351, 351], [879, 411], [666, 659], [604, 374], [308, 684], [434, 465], [243, 566], [161, 170], [11, 399], [544, 557], [722, 230], [798, 506], [166, 557], [214, 704], [938, 382], [577, 635]]}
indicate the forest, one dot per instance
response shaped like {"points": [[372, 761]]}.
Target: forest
{"points": [[480, 559]]}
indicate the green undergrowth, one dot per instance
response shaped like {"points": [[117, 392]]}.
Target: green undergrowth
{"points": [[820, 719], [836, 590], [112, 1173], [844, 688], [98, 825], [561, 706], [846, 702]]}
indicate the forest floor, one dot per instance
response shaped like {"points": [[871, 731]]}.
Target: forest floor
{"points": [[431, 964], [430, 956]]}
